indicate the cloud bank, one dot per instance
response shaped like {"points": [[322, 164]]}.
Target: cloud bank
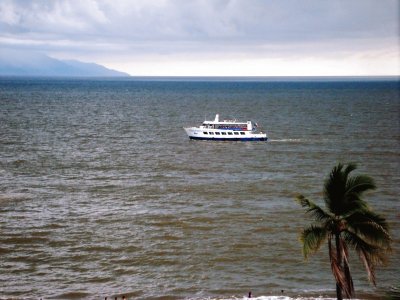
{"points": [[219, 37]]}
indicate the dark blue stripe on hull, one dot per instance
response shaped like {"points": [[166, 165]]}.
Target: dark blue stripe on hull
{"points": [[228, 139]]}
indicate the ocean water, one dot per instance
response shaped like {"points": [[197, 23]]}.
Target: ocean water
{"points": [[102, 194]]}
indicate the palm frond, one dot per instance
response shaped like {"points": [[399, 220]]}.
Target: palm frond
{"points": [[312, 238], [335, 189], [355, 187], [369, 267], [376, 254], [370, 255], [348, 280], [316, 211], [359, 184], [342, 193], [352, 203], [349, 290], [350, 168], [371, 227]]}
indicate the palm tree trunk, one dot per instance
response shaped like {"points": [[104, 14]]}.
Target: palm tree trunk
{"points": [[338, 292], [339, 295]]}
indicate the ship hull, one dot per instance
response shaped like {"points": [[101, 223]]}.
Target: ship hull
{"points": [[247, 139], [195, 133]]}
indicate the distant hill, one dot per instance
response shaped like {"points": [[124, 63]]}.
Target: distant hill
{"points": [[23, 63]]}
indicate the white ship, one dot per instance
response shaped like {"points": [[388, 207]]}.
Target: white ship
{"points": [[226, 130]]}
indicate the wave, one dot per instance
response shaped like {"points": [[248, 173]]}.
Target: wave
{"points": [[286, 140], [13, 197]]}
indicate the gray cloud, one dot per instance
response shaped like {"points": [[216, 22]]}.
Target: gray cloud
{"points": [[218, 27], [192, 20]]}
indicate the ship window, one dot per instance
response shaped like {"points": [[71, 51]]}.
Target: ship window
{"points": [[242, 133], [230, 133], [223, 133], [236, 133], [205, 132], [217, 133], [211, 132]]}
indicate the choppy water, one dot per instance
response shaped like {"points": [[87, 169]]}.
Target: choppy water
{"points": [[103, 194]]}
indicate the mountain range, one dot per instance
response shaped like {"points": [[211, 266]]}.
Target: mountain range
{"points": [[25, 63]]}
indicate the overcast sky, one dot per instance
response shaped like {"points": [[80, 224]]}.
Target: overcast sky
{"points": [[211, 37]]}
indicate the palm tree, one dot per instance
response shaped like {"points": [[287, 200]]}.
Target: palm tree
{"points": [[347, 222]]}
